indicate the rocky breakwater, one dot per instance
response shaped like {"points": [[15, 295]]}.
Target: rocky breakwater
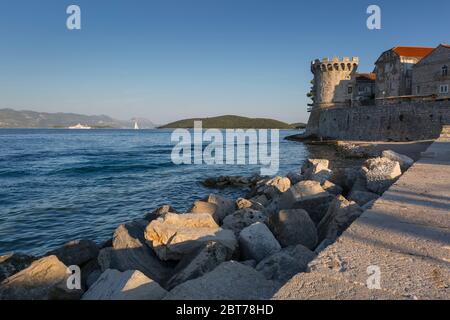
{"points": [[221, 249]]}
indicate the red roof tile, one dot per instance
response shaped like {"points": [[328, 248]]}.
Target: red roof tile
{"points": [[412, 51], [366, 76]]}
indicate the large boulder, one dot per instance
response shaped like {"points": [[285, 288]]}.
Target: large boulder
{"points": [[295, 177], [257, 242], [128, 285], [286, 263], [293, 227], [346, 177], [13, 263], [307, 195], [380, 174], [224, 206], [76, 252], [130, 251], [404, 161], [242, 203], [200, 262], [332, 188], [44, 279], [242, 219], [339, 217], [362, 197], [203, 207], [274, 186], [229, 281], [158, 212], [175, 235], [316, 170]]}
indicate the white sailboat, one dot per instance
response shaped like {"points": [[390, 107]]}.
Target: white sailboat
{"points": [[136, 127]]}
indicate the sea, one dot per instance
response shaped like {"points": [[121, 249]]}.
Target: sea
{"points": [[58, 185]]}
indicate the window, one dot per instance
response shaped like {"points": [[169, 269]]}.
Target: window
{"points": [[443, 89], [445, 71], [418, 89], [350, 89]]}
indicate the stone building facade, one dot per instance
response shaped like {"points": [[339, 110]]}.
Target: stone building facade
{"points": [[405, 98], [431, 76], [363, 87], [394, 70]]}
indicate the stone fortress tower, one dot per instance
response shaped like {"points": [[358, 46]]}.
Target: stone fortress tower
{"points": [[332, 86]]}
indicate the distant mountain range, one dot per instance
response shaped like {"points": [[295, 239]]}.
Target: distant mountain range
{"points": [[231, 122], [10, 118]]}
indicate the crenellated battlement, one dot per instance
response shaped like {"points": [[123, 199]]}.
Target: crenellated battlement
{"points": [[335, 64]]}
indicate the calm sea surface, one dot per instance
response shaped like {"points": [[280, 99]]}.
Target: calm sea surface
{"points": [[59, 185]]}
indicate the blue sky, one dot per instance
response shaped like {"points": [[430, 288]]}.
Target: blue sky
{"points": [[166, 59]]}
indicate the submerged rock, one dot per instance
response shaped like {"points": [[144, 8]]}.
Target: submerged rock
{"points": [[293, 227], [174, 236], [128, 285], [229, 281], [257, 242]]}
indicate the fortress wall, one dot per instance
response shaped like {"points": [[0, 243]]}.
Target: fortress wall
{"points": [[401, 122]]}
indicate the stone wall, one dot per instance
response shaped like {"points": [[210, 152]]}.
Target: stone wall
{"points": [[402, 122]]}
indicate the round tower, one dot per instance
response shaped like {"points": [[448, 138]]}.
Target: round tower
{"points": [[332, 81], [332, 87]]}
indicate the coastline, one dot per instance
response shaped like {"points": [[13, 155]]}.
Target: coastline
{"points": [[228, 247]]}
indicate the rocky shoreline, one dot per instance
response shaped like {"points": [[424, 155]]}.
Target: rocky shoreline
{"points": [[239, 249]]}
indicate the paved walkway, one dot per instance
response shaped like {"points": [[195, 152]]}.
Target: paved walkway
{"points": [[406, 235]]}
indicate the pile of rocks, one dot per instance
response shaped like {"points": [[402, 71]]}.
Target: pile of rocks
{"points": [[220, 249]]}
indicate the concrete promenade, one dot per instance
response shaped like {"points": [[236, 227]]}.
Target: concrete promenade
{"points": [[406, 235]]}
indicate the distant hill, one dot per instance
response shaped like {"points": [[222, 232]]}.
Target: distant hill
{"points": [[230, 122], [299, 125], [10, 118]]}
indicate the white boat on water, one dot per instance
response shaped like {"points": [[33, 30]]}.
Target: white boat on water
{"points": [[80, 126], [136, 127]]}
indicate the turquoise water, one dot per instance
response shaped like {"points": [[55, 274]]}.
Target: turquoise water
{"points": [[59, 185]]}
